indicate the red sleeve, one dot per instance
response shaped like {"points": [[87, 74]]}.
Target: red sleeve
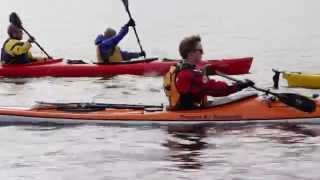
{"points": [[192, 82], [219, 88]]}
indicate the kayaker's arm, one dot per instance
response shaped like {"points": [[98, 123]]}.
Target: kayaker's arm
{"points": [[219, 88], [189, 81], [214, 88], [130, 55], [108, 43]]}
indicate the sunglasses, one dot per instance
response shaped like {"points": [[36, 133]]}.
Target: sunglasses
{"points": [[200, 50]]}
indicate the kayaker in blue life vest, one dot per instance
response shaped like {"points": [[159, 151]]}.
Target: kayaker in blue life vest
{"points": [[108, 50], [14, 50], [187, 86]]}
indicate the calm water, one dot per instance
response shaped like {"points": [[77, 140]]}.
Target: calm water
{"points": [[279, 34]]}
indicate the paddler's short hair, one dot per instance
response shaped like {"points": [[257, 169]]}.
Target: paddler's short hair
{"points": [[188, 45], [110, 32]]}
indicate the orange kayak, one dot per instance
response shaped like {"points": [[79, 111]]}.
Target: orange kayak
{"points": [[238, 108]]}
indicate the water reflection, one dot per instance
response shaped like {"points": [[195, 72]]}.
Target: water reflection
{"points": [[47, 127], [188, 144], [313, 131], [12, 87], [106, 78], [301, 132], [185, 144], [288, 133], [15, 81]]}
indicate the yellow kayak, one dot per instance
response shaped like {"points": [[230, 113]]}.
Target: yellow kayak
{"points": [[299, 79]]}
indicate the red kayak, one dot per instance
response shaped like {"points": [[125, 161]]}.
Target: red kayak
{"points": [[149, 67]]}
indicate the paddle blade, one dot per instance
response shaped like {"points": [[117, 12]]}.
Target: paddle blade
{"points": [[275, 79], [126, 3], [15, 20], [297, 101]]}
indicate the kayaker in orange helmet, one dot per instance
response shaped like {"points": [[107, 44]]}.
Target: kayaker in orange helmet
{"points": [[187, 86], [107, 45], [14, 50]]}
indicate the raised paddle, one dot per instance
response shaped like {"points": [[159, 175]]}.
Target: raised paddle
{"points": [[297, 101], [15, 20], [126, 5]]}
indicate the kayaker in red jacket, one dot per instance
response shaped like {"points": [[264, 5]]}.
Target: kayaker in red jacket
{"points": [[107, 46], [14, 50], [187, 86]]}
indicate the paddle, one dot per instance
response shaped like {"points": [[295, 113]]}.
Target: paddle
{"points": [[297, 101], [98, 105], [126, 5], [15, 20]]}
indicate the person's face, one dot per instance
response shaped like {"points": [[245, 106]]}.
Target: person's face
{"points": [[195, 55]]}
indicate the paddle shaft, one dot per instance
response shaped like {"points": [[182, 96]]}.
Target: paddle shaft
{"points": [[134, 28], [254, 87], [36, 43]]}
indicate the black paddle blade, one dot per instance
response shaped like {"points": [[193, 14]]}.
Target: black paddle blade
{"points": [[15, 20], [297, 101], [126, 3], [275, 79]]}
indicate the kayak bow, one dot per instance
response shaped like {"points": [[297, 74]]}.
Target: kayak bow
{"points": [[305, 80], [297, 79]]}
